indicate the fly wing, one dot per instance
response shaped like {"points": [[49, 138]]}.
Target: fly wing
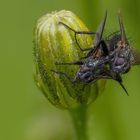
{"points": [[136, 55], [100, 30], [121, 26], [98, 36], [135, 52]]}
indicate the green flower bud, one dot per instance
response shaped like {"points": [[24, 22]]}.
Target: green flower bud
{"points": [[53, 43]]}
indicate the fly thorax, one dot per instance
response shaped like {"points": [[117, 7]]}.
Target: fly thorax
{"points": [[121, 44], [92, 64]]}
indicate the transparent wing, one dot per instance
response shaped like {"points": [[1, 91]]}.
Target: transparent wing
{"points": [[98, 36], [121, 26], [100, 30]]}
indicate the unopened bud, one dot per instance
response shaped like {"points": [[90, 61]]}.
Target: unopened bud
{"points": [[55, 43]]}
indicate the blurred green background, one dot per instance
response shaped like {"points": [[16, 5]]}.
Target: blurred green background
{"points": [[25, 114]]}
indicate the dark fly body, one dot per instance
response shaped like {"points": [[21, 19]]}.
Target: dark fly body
{"points": [[92, 70], [108, 59], [119, 47], [93, 66]]}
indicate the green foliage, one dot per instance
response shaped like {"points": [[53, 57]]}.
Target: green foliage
{"points": [[55, 43], [115, 116]]}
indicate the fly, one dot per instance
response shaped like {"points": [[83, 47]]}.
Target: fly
{"points": [[108, 59]]}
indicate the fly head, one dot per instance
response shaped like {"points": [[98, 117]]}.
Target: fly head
{"points": [[121, 53]]}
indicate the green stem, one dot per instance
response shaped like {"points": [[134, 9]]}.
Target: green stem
{"points": [[80, 122]]}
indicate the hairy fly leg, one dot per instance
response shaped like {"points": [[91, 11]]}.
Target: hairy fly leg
{"points": [[73, 81], [79, 32]]}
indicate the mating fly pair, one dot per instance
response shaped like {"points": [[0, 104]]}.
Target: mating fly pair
{"points": [[108, 59]]}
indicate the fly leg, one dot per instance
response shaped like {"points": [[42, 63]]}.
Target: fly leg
{"points": [[70, 63], [79, 32]]}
